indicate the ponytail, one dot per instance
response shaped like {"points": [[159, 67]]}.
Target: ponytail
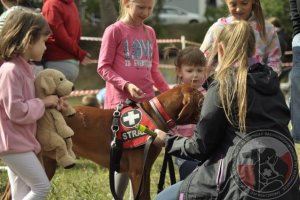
{"points": [[239, 44]]}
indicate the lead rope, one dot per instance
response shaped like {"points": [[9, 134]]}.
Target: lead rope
{"points": [[115, 151]]}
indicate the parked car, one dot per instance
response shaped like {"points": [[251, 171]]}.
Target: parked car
{"points": [[175, 15]]}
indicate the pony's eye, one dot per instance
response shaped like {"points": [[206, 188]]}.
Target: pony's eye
{"points": [[61, 79]]}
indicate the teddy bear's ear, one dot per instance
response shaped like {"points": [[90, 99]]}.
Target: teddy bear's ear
{"points": [[48, 85]]}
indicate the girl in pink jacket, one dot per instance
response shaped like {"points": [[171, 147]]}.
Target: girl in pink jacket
{"points": [[23, 39], [128, 60]]}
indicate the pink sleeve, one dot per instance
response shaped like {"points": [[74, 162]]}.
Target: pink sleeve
{"points": [[106, 58], [159, 81], [273, 52], [184, 130], [208, 41], [210, 38], [18, 109], [109, 75]]}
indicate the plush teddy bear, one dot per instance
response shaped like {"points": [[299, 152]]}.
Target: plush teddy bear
{"points": [[53, 133]]}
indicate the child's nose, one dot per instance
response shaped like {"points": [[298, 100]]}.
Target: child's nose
{"points": [[238, 9], [195, 75], [147, 12]]}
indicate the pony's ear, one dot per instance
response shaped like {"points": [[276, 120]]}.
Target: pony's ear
{"points": [[187, 102], [48, 85], [191, 99]]}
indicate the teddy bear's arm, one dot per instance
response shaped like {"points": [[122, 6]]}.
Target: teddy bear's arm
{"points": [[60, 124], [69, 111]]}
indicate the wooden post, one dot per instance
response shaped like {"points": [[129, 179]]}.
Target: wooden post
{"points": [[182, 38]]}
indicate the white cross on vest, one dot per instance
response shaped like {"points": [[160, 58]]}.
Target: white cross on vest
{"points": [[131, 117]]}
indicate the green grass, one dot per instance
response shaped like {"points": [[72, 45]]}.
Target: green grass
{"points": [[74, 100], [88, 181]]}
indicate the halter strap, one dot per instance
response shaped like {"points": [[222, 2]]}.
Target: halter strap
{"points": [[161, 113]]}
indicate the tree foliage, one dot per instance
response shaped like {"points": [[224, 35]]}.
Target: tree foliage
{"points": [[279, 9]]}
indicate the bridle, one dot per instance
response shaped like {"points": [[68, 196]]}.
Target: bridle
{"points": [[160, 112]]}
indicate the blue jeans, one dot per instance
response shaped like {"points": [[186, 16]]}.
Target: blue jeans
{"points": [[185, 167], [295, 89], [170, 193]]}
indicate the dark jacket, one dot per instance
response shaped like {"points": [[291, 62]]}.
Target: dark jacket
{"points": [[259, 164], [295, 15]]}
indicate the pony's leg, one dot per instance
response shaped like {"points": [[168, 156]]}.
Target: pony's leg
{"points": [[136, 174], [153, 154], [132, 163], [50, 166], [135, 178], [7, 193]]}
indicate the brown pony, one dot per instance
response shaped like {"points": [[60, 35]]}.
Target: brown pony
{"points": [[93, 135]]}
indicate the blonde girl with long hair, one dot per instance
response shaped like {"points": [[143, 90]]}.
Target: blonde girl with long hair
{"points": [[242, 132], [128, 61], [233, 80]]}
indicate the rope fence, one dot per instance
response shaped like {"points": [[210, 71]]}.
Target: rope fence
{"points": [[181, 41], [78, 93]]}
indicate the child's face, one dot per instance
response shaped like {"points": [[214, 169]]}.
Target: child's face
{"points": [[240, 9], [139, 10], [192, 74], [36, 50]]}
